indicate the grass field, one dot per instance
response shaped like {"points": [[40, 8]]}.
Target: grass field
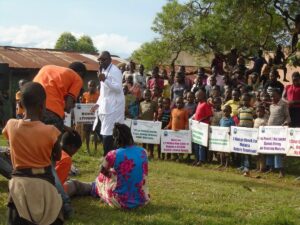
{"points": [[182, 194]]}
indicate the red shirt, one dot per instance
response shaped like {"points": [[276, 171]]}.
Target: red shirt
{"points": [[63, 167], [203, 110], [293, 94]]}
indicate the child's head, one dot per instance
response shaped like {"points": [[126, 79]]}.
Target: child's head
{"points": [[71, 142], [213, 80], [190, 97], [246, 100], [227, 111], [200, 95], [296, 78], [179, 77], [236, 94], [253, 78], [274, 75], [160, 102], [217, 102], [264, 96], [33, 98], [260, 111], [92, 86], [129, 79], [215, 91], [275, 95], [179, 102], [147, 95], [156, 91], [166, 103]]}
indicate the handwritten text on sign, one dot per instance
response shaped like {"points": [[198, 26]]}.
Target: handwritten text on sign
{"points": [[176, 141], [244, 140], [147, 132], [82, 113], [199, 132], [219, 139], [272, 139]]}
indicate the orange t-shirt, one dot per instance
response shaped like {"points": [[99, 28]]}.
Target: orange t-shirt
{"points": [[58, 83], [19, 109], [90, 98], [31, 143], [179, 119], [63, 167]]}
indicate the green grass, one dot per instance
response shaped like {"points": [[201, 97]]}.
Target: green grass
{"points": [[181, 194]]}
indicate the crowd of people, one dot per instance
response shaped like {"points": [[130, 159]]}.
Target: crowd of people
{"points": [[226, 94]]}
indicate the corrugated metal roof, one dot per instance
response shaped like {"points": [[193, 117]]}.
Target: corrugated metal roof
{"points": [[35, 58]]}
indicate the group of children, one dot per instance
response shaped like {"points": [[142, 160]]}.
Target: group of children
{"points": [[232, 103]]}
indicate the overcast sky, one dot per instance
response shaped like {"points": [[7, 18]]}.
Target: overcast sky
{"points": [[119, 26]]}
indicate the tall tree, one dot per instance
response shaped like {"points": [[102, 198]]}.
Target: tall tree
{"points": [[85, 44], [66, 42]]}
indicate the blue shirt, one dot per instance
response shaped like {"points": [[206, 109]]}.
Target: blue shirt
{"points": [[227, 122]]}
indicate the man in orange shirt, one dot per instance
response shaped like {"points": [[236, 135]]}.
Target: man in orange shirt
{"points": [[90, 96], [62, 86]]}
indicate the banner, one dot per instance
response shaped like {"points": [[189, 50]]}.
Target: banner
{"points": [[244, 140], [219, 139], [293, 148], [273, 139], [82, 113], [128, 122], [67, 119], [176, 141], [144, 131], [199, 132]]}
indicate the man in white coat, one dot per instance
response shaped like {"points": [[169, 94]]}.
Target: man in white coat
{"points": [[111, 102]]}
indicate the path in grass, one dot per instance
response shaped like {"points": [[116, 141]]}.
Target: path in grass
{"points": [[181, 194]]}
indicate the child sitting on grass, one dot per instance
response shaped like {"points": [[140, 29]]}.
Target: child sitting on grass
{"points": [[33, 196], [71, 143], [179, 120]]}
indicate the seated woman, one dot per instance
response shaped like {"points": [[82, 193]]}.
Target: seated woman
{"points": [[122, 179], [122, 182]]}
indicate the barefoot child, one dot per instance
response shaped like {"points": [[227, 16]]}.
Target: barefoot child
{"points": [[33, 196]]}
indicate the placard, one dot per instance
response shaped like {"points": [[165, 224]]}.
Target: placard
{"points": [[293, 148], [176, 141], [273, 139], [219, 139], [67, 119], [199, 133], [83, 114], [147, 132], [128, 122], [244, 140]]}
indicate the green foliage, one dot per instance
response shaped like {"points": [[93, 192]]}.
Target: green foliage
{"points": [[68, 42], [201, 26], [86, 45], [151, 54]]}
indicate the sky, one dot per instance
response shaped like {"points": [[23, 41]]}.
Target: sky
{"points": [[119, 26]]}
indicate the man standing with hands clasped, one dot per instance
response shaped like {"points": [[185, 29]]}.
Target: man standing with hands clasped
{"points": [[111, 102]]}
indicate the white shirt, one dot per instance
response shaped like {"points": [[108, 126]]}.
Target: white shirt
{"points": [[139, 79], [111, 97]]}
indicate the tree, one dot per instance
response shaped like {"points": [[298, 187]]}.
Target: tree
{"points": [[152, 54], [86, 45], [66, 42]]}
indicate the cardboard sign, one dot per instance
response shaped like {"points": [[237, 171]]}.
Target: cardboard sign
{"points": [[176, 141], [219, 139], [199, 133], [83, 114], [147, 132], [293, 148], [273, 139], [67, 119], [244, 140]]}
